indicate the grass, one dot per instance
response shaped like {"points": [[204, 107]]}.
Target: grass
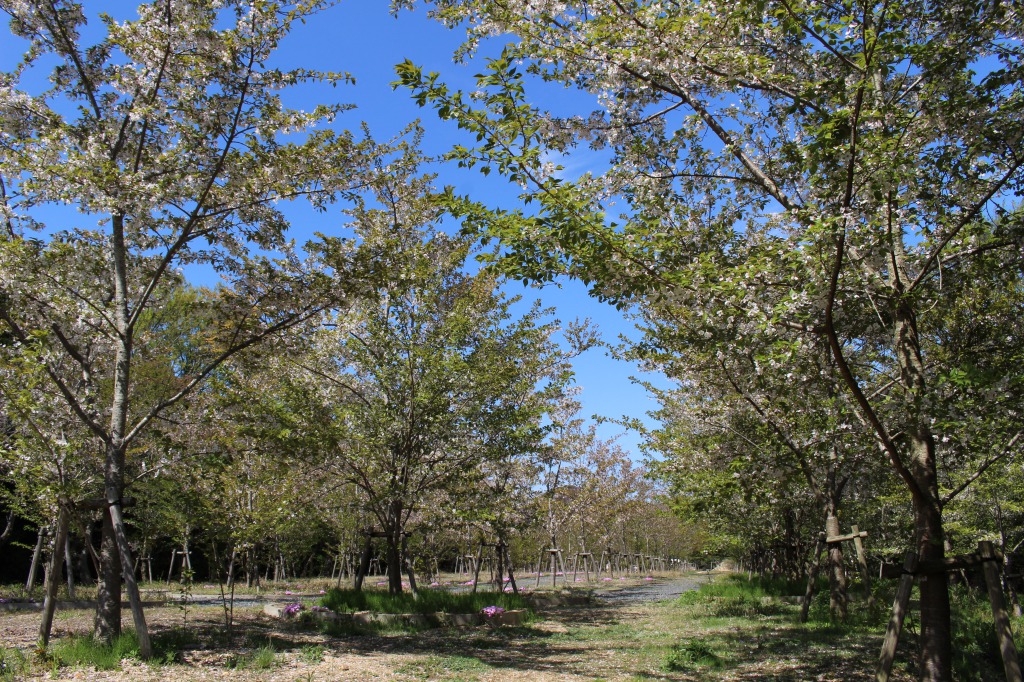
{"points": [[312, 653], [429, 601], [87, 651], [691, 654], [13, 664], [450, 667], [263, 658]]}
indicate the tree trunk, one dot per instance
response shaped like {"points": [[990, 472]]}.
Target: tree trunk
{"points": [[8, 529], [936, 630], [108, 589], [936, 634], [394, 558], [838, 600], [364, 564]]}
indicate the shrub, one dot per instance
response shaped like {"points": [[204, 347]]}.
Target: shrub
{"points": [[690, 654], [429, 601]]}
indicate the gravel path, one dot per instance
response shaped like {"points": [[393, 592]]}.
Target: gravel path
{"points": [[659, 589]]}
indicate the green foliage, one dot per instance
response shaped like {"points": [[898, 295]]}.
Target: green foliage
{"points": [[312, 653], [429, 601], [263, 658], [691, 654], [13, 664], [976, 654], [87, 651]]}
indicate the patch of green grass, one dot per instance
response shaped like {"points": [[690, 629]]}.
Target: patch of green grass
{"points": [[88, 651], [13, 664], [262, 658], [429, 601], [312, 653], [449, 667], [690, 654]]}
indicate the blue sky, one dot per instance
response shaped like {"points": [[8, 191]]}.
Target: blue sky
{"points": [[362, 38]]}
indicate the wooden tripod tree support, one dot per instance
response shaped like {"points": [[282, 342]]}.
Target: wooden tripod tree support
{"points": [[588, 564], [988, 557], [833, 537]]}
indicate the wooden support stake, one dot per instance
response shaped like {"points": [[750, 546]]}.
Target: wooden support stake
{"points": [[1011, 664], [69, 566], [899, 613], [476, 567], [862, 562], [131, 586], [812, 577], [511, 577], [52, 580], [34, 567], [364, 564]]}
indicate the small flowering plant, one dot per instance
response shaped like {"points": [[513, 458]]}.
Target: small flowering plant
{"points": [[492, 611], [293, 609]]}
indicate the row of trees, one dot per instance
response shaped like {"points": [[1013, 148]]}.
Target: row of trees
{"points": [[821, 242], [821, 236], [367, 382]]}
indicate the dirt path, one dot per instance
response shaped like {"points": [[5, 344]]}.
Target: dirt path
{"points": [[659, 589], [625, 634]]}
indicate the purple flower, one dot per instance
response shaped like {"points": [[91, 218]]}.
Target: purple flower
{"points": [[292, 609], [319, 609], [492, 611]]}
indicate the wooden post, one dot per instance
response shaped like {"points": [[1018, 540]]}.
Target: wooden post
{"points": [[511, 577], [131, 587], [33, 569], [408, 567], [1011, 664], [364, 564], [899, 613], [69, 564], [52, 580], [812, 577], [476, 568], [862, 562], [170, 571]]}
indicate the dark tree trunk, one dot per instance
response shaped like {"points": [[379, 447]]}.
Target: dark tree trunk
{"points": [[838, 599], [936, 631], [394, 559], [364, 564], [108, 591]]}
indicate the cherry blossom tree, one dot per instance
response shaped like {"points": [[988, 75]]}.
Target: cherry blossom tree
{"points": [[170, 139], [838, 159], [411, 390]]}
